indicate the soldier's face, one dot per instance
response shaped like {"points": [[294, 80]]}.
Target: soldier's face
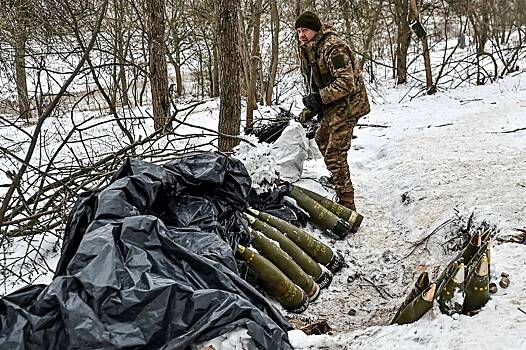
{"points": [[305, 35]]}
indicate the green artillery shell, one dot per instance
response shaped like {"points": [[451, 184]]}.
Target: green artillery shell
{"points": [[321, 217], [447, 274], [472, 247], [421, 284], [317, 250], [285, 263], [418, 307], [353, 218], [473, 264], [451, 297], [289, 295], [477, 287], [306, 263]]}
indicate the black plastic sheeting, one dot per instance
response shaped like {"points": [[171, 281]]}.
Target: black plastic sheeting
{"points": [[273, 202], [147, 263]]}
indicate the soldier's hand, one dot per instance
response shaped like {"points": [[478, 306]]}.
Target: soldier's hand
{"points": [[305, 116], [313, 102]]}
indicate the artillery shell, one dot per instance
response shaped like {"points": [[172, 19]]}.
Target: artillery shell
{"points": [[472, 247], [325, 278], [448, 299], [306, 263], [352, 217], [285, 263], [421, 284], [316, 249], [477, 287], [320, 216], [418, 307], [276, 283], [447, 274]]}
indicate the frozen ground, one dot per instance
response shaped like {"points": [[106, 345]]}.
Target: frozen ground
{"points": [[440, 157]]}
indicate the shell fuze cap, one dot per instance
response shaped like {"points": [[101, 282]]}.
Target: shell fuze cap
{"points": [[308, 20]]}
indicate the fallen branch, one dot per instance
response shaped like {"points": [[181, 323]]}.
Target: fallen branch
{"points": [[380, 290], [473, 100], [374, 125], [509, 131]]}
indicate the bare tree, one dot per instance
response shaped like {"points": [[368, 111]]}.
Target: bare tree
{"points": [[275, 28], [403, 38], [431, 89], [156, 12], [254, 61], [230, 96]]}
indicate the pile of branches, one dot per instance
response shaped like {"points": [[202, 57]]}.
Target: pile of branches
{"points": [[270, 129], [50, 163]]}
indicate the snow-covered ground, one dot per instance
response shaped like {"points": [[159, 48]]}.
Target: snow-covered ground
{"points": [[447, 156], [438, 158]]}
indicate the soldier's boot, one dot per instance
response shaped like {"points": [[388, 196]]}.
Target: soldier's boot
{"points": [[347, 200]]}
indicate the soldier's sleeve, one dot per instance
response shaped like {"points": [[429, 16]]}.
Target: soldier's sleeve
{"points": [[340, 66], [303, 70]]}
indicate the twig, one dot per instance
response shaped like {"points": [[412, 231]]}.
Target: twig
{"points": [[473, 100], [374, 125], [424, 240], [378, 289], [521, 310], [508, 131]]}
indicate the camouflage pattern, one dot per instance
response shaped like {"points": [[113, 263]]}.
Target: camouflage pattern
{"points": [[331, 69], [328, 65]]}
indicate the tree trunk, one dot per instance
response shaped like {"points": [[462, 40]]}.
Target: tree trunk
{"points": [[178, 74], [484, 27], [210, 70], [346, 14], [121, 55], [216, 71], [176, 61], [431, 89], [20, 36], [402, 39], [368, 44], [156, 13], [254, 65], [230, 97], [243, 50], [201, 75], [274, 21]]}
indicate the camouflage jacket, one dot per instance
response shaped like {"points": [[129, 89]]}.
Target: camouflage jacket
{"points": [[328, 65]]}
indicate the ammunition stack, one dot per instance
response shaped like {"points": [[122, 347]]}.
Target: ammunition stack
{"points": [[291, 264], [331, 217], [462, 287]]}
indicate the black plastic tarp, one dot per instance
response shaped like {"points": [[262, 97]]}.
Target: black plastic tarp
{"points": [[273, 202], [147, 263]]}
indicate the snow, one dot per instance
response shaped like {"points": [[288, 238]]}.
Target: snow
{"points": [[439, 159], [500, 325], [446, 154]]}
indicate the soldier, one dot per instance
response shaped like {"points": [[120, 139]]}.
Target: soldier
{"points": [[336, 94]]}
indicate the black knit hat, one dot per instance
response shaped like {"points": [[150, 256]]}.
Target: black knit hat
{"points": [[308, 20]]}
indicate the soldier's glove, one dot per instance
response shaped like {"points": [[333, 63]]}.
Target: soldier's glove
{"points": [[305, 116], [313, 102]]}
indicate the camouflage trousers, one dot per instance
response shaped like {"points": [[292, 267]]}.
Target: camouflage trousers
{"points": [[333, 137]]}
